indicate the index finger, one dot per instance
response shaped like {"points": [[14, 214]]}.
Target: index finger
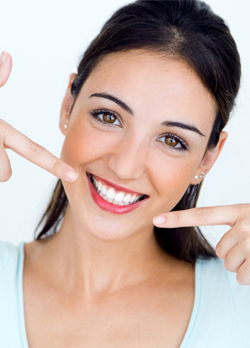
{"points": [[219, 215], [35, 153]]}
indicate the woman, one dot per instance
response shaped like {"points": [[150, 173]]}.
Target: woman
{"points": [[143, 121]]}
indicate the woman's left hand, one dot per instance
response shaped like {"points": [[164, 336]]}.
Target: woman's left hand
{"points": [[234, 246]]}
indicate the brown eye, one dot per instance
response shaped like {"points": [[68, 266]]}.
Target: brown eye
{"points": [[109, 118], [106, 117], [171, 141], [175, 142]]}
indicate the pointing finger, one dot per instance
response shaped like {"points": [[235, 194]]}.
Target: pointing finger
{"points": [[220, 215], [35, 153]]}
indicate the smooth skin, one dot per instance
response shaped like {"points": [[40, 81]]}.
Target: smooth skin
{"points": [[102, 280]]}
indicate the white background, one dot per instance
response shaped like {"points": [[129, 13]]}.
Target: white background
{"points": [[46, 40]]}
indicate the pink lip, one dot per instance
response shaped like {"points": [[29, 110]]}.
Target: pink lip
{"points": [[105, 205]]}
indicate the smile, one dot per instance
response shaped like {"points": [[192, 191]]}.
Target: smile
{"points": [[112, 199]]}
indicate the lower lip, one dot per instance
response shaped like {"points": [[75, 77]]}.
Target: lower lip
{"points": [[112, 208]]}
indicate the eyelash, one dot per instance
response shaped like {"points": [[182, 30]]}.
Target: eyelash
{"points": [[96, 112], [184, 145]]}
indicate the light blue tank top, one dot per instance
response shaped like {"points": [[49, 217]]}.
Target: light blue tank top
{"points": [[220, 316]]}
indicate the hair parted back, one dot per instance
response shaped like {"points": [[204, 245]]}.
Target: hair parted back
{"points": [[187, 30]]}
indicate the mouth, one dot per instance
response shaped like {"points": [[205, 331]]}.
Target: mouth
{"points": [[112, 199]]}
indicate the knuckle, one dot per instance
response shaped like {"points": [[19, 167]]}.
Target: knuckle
{"points": [[35, 150], [247, 244], [242, 277], [176, 218], [202, 214], [57, 167], [229, 265], [218, 251], [244, 228]]}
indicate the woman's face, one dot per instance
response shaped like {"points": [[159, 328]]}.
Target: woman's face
{"points": [[153, 145]]}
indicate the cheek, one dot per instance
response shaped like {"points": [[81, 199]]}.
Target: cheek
{"points": [[82, 144], [172, 180]]}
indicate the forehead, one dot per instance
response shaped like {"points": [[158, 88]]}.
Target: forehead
{"points": [[151, 85]]}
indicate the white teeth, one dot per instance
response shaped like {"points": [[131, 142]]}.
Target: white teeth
{"points": [[99, 186], [133, 198], [110, 193], [119, 197], [104, 190], [127, 198]]}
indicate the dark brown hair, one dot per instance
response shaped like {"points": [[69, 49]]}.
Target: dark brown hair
{"points": [[187, 30]]}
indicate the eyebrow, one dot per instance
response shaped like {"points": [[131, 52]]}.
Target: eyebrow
{"points": [[117, 101], [124, 106], [182, 125]]}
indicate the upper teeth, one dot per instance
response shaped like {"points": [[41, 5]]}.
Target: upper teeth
{"points": [[110, 194]]}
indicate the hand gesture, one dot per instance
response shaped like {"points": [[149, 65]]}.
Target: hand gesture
{"points": [[11, 138], [234, 246]]}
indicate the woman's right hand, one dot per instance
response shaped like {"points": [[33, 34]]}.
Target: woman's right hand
{"points": [[11, 138]]}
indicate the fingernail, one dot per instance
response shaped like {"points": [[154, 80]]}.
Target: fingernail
{"points": [[3, 57], [159, 220], [71, 176]]}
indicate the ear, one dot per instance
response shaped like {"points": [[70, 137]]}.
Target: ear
{"points": [[210, 158], [66, 105]]}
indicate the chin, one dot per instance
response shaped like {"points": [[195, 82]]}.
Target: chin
{"points": [[108, 235], [107, 231]]}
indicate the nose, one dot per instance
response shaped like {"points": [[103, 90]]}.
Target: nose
{"points": [[128, 158]]}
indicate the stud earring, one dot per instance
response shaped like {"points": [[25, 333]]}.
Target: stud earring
{"points": [[199, 176], [65, 126]]}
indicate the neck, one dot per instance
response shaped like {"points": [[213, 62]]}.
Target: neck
{"points": [[94, 266]]}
